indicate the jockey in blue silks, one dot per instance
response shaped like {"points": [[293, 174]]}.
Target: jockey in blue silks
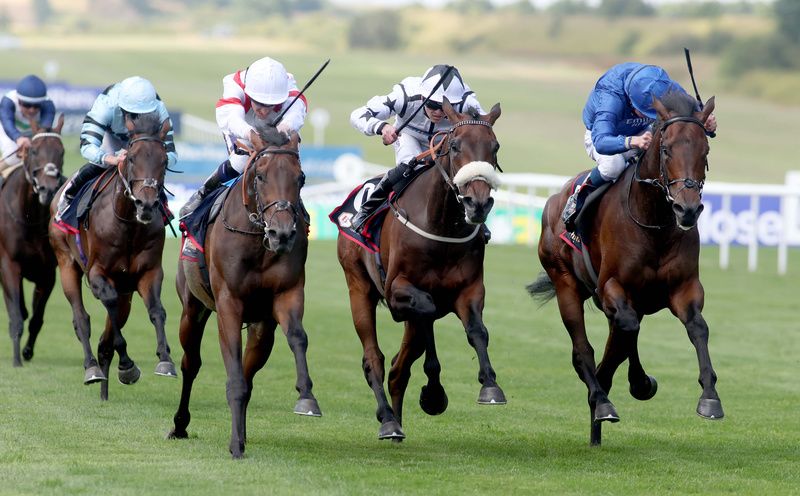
{"points": [[618, 117], [28, 102]]}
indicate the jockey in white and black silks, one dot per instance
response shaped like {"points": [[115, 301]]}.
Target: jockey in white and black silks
{"points": [[104, 134], [28, 102], [618, 118], [257, 93], [402, 103]]}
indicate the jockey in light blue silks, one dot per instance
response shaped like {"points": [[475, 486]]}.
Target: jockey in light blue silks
{"points": [[618, 117], [104, 134], [28, 102]]}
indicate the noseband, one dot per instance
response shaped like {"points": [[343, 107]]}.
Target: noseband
{"points": [[50, 169], [147, 182]]}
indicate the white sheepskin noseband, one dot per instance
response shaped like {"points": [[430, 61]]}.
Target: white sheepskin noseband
{"points": [[473, 171]]}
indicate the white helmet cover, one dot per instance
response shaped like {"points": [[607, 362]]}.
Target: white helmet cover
{"points": [[452, 87], [266, 82], [137, 95]]}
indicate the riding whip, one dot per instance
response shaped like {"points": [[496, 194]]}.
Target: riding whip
{"points": [[313, 78], [696, 93], [427, 98]]}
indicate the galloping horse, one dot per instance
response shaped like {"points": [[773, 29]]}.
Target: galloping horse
{"points": [[255, 253], [645, 247], [432, 250], [119, 249], [25, 251]]}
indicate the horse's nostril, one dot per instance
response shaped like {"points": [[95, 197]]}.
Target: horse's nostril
{"points": [[272, 233], [678, 209], [700, 208], [468, 201]]}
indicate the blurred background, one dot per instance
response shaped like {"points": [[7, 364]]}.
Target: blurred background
{"points": [[538, 58]]}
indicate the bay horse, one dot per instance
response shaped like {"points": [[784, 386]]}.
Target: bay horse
{"points": [[25, 251], [255, 252], [119, 250], [643, 243], [432, 251]]}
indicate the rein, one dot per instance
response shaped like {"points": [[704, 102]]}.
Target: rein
{"points": [[663, 182]]}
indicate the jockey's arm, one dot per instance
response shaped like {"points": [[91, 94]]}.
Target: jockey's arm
{"points": [[7, 109], [169, 141], [95, 125], [369, 118]]}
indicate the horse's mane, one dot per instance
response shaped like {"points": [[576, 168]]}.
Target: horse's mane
{"points": [[678, 102], [149, 123], [270, 134]]}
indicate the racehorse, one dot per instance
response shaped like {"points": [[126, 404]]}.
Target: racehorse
{"points": [[432, 251], [25, 251], [255, 252], [644, 248], [119, 248]]}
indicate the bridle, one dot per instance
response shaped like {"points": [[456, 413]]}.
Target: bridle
{"points": [[50, 169], [147, 182], [663, 181]]}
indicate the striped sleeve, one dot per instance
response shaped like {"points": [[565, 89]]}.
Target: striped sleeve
{"points": [[95, 125], [169, 141], [378, 109]]}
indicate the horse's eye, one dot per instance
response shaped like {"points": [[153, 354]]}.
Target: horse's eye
{"points": [[496, 148], [454, 146], [34, 151], [259, 178], [302, 179]]}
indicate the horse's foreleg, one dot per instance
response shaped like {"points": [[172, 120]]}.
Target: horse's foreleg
{"points": [[469, 308], [432, 397], [411, 348], [193, 322], [289, 308], [260, 340], [41, 294], [112, 340], [149, 288], [71, 275], [687, 305], [229, 320], [12, 281]]}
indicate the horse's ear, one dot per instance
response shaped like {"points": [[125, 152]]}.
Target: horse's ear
{"points": [[294, 140], [165, 127], [129, 123], [59, 124], [448, 110], [256, 140], [35, 126], [660, 109], [707, 109], [493, 114]]}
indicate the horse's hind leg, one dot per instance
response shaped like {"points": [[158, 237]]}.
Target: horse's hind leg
{"points": [[289, 307], [469, 308], [112, 340], [411, 348], [149, 288], [12, 282], [40, 296], [687, 305]]}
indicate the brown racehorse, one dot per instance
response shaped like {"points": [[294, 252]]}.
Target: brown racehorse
{"points": [[645, 247], [255, 252], [432, 251], [25, 251], [122, 240]]}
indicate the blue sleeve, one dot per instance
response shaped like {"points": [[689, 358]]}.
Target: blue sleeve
{"points": [[608, 114], [7, 109], [47, 114]]}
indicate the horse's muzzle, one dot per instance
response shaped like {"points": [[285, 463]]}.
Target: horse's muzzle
{"points": [[145, 211], [280, 240], [687, 215], [476, 212]]}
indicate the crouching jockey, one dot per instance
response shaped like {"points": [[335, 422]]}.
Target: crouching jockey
{"points": [[28, 102], [618, 117], [104, 135], [405, 98], [257, 93]]}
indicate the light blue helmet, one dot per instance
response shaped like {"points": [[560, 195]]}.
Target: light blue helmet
{"points": [[643, 84], [137, 95], [32, 90]]}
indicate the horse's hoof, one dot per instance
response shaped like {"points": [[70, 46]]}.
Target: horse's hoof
{"points": [[129, 376], [94, 374], [433, 400], [17, 362], [645, 391], [491, 395], [605, 412], [166, 369], [391, 430], [308, 407], [710, 409], [177, 434], [27, 353]]}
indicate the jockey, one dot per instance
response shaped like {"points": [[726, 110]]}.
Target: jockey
{"points": [[405, 98], [29, 102], [618, 117], [104, 135], [257, 93]]}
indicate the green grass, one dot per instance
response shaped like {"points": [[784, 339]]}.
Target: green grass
{"points": [[56, 437]]}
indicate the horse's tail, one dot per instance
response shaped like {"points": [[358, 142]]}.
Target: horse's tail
{"points": [[542, 289]]}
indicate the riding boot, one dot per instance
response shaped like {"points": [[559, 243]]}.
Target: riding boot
{"points": [[225, 172], [575, 202], [379, 195], [84, 175]]}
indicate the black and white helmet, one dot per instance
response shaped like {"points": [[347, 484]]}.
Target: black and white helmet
{"points": [[452, 87]]}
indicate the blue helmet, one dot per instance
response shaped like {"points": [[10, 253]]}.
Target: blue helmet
{"points": [[645, 83], [31, 89], [137, 95]]}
